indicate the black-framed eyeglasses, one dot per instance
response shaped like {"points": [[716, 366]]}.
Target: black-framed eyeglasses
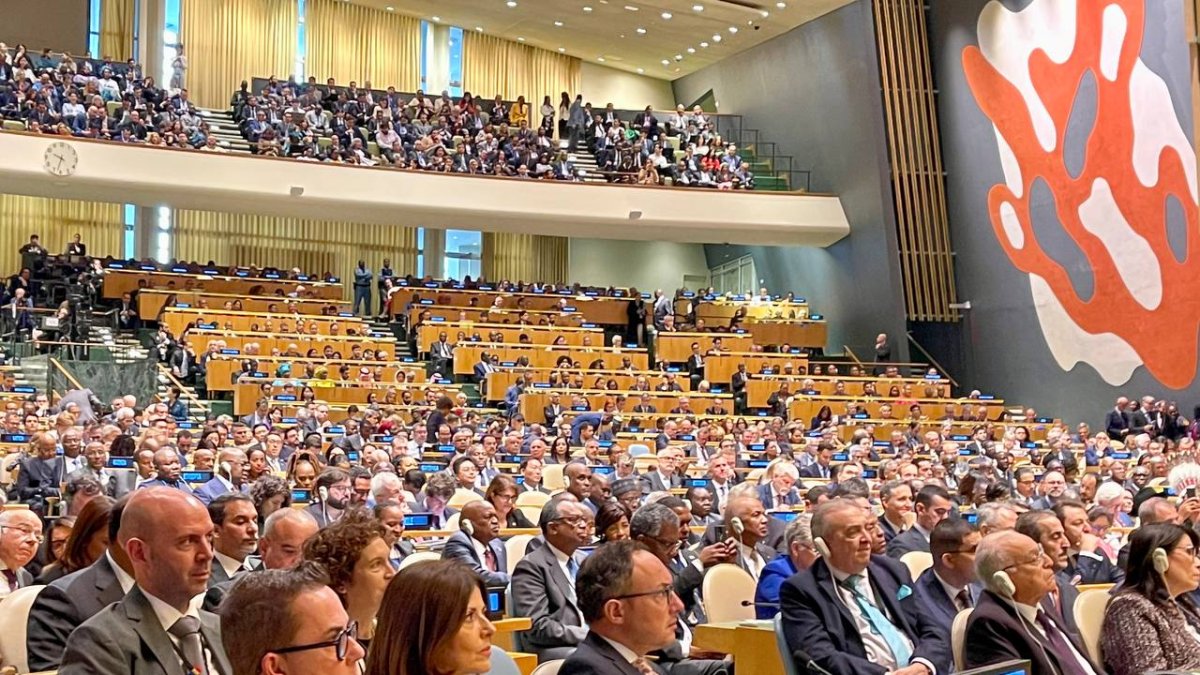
{"points": [[341, 643], [665, 593]]}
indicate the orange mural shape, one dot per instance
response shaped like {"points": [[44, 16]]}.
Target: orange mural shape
{"points": [[1142, 293]]}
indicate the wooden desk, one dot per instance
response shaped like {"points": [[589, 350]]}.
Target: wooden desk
{"points": [[150, 302], [177, 319], [545, 356], [499, 381], [753, 646], [595, 309], [118, 282], [221, 369], [428, 333], [526, 663], [503, 638], [441, 313], [719, 369], [677, 347], [720, 311], [794, 332]]}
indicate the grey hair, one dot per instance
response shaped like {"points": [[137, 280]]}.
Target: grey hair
{"points": [[746, 489], [650, 520], [281, 515], [822, 513], [991, 556], [799, 530], [988, 515], [384, 481], [1109, 491]]}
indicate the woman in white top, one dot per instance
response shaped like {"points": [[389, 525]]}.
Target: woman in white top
{"points": [[178, 68], [547, 115]]}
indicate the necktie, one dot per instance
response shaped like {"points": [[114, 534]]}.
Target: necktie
{"points": [[187, 631], [880, 624], [489, 558], [1067, 663], [10, 577], [963, 600], [643, 666], [572, 568]]}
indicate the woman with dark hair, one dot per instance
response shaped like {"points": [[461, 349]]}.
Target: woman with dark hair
{"points": [[86, 543], [822, 419], [354, 552], [502, 493], [122, 446], [1151, 623], [433, 621], [560, 450], [270, 493], [50, 553], [612, 523]]}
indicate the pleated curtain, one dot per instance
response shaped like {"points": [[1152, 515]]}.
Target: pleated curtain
{"points": [[116, 29], [524, 257], [493, 66], [227, 41], [315, 246], [100, 225], [349, 42]]}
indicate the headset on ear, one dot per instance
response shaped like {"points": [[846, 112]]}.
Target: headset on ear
{"points": [[225, 469], [737, 526], [567, 480], [821, 546], [1160, 560], [1004, 584], [324, 493], [466, 526]]}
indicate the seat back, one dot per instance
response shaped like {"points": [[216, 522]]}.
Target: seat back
{"points": [[463, 497], [452, 522], [917, 562], [502, 664], [530, 504], [552, 477], [724, 589], [14, 616], [636, 449], [958, 636], [514, 548], [785, 655], [1089, 617], [420, 556], [548, 668]]}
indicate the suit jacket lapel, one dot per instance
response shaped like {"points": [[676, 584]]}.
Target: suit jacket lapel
{"points": [[145, 623], [560, 578], [609, 652], [886, 592], [828, 586], [210, 628], [107, 587]]}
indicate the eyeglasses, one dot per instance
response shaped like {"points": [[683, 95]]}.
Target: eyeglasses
{"points": [[664, 593], [574, 521], [341, 643], [25, 532]]}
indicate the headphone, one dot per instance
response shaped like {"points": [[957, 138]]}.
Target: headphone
{"points": [[324, 493], [466, 526], [567, 480], [1003, 584], [225, 469], [821, 546], [1160, 560], [737, 526]]}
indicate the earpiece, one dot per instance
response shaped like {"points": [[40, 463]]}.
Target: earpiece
{"points": [[567, 480], [466, 526], [1004, 584], [225, 469], [737, 526], [323, 492], [821, 546], [1160, 560]]}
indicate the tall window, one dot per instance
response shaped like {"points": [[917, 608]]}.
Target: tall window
{"points": [[171, 37], [456, 62], [426, 46], [736, 276], [94, 28], [301, 47], [129, 238], [464, 254], [162, 235], [420, 271]]}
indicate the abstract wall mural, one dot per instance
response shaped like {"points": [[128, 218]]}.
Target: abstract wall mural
{"points": [[1126, 197]]}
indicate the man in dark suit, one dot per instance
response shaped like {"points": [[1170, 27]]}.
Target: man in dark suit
{"points": [[746, 523], [71, 600], [184, 363], [1044, 528], [441, 353], [1009, 621], [552, 410], [1082, 559], [950, 585], [695, 366], [897, 499], [854, 613], [235, 537], [820, 467], [156, 628], [481, 371], [20, 531], [665, 476], [227, 478], [933, 506], [17, 314], [543, 583], [478, 543], [1116, 422], [781, 492]]}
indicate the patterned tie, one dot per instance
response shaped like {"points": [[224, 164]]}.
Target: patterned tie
{"points": [[880, 624], [643, 666], [489, 558], [1061, 645], [187, 631], [572, 568], [963, 600], [10, 577]]}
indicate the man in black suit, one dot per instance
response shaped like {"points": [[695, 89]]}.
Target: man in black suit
{"points": [[737, 385], [235, 537], [1116, 422], [897, 499], [156, 628], [477, 544], [1082, 559], [695, 366], [1044, 528], [543, 583], [665, 475], [950, 585], [552, 410], [854, 613], [71, 600], [746, 523], [932, 507], [626, 596], [20, 535], [481, 371], [781, 493], [820, 467], [441, 353], [1009, 621]]}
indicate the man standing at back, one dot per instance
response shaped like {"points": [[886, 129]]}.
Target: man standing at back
{"points": [[158, 627]]}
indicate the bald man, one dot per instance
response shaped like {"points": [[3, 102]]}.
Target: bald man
{"points": [[477, 544], [20, 532], [746, 524], [167, 471], [227, 478], [158, 627]]}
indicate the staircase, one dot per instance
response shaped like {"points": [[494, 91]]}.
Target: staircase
{"points": [[124, 347], [225, 129], [585, 164], [197, 410]]}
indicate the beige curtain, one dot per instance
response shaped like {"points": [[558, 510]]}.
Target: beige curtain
{"points": [[524, 257], [493, 66], [349, 42], [100, 225], [116, 29], [316, 246], [228, 41]]}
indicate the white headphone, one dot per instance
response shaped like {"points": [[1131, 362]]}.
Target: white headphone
{"points": [[821, 546], [1003, 584], [1160, 560]]}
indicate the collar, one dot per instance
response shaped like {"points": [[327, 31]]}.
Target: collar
{"points": [[480, 547], [749, 551], [839, 576], [123, 578], [923, 531], [1029, 612], [231, 565], [226, 482], [625, 652], [562, 557], [951, 590], [168, 615]]}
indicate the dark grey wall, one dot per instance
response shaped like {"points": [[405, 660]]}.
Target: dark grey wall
{"points": [[815, 92], [1001, 342], [61, 25]]}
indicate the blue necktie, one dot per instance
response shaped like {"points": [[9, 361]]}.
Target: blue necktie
{"points": [[572, 568], [880, 624]]}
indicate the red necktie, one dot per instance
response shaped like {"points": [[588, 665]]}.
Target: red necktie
{"points": [[489, 558]]}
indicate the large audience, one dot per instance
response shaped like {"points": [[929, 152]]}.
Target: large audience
{"points": [[315, 536]]}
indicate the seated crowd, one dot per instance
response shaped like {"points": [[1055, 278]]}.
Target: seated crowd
{"points": [[297, 540]]}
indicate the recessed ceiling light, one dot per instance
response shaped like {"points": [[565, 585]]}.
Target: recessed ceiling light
{"points": [[558, 23], [587, 8], [562, 49], [764, 14], [641, 70], [641, 31], [479, 29], [520, 39], [691, 50], [716, 37], [631, 8], [391, 9], [600, 59], [704, 45], [781, 5], [697, 8], [511, 3], [679, 57], [733, 29], [666, 62], [667, 15], [436, 19]]}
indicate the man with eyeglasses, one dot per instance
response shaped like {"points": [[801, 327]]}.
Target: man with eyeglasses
{"points": [[95, 461], [1046, 529], [158, 626], [20, 535], [1010, 621], [543, 582], [289, 622], [950, 585]]}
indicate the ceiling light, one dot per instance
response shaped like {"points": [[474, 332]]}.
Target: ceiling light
{"points": [[586, 8], [600, 59], [436, 19], [764, 14], [667, 16], [562, 49], [666, 62], [733, 29], [478, 29], [716, 37], [704, 45], [391, 9], [641, 70], [697, 8], [558, 23], [511, 3], [781, 5], [641, 31], [631, 8], [520, 39], [691, 50], [679, 57]]}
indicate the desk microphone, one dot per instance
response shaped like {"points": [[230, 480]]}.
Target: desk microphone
{"points": [[807, 662], [751, 603]]}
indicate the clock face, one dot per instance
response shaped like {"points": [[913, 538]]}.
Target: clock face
{"points": [[60, 159]]}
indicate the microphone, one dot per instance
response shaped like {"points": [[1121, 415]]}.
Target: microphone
{"points": [[751, 603], [807, 662]]}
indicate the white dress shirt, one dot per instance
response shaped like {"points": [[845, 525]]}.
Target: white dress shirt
{"points": [[168, 615], [876, 647], [231, 565], [123, 578], [1029, 614]]}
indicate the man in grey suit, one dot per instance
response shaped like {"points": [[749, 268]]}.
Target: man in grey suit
{"points": [[543, 583], [478, 543], [156, 628], [664, 476], [69, 601], [20, 534], [236, 535], [932, 507]]}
